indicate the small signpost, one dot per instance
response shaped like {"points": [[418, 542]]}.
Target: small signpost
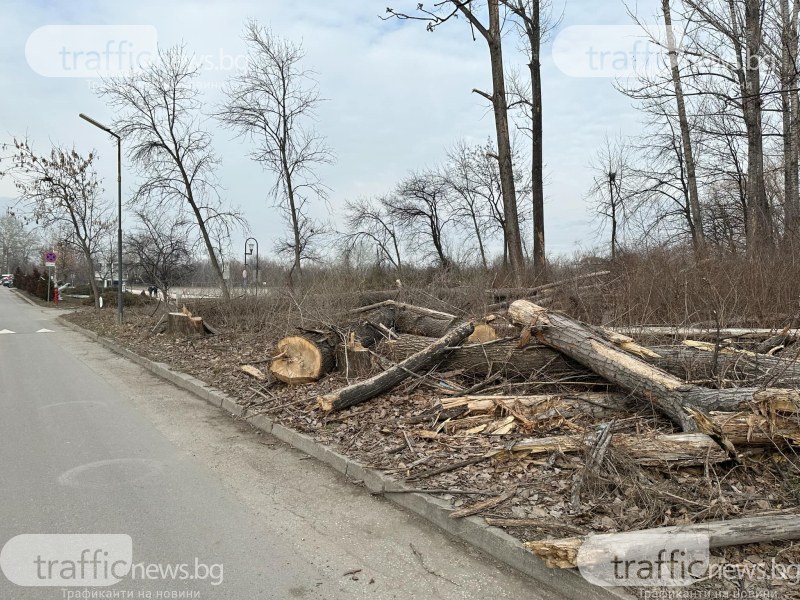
{"points": [[49, 262]]}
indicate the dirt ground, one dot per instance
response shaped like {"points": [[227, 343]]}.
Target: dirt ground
{"points": [[399, 434]]}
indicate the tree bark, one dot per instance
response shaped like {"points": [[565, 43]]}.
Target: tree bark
{"points": [[687, 363], [423, 321], [682, 403], [368, 389], [183, 324], [789, 107], [501, 356], [759, 218]]}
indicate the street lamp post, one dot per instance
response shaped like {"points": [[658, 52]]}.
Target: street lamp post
{"points": [[250, 243], [119, 211]]}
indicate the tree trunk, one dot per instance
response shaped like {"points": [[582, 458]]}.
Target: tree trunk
{"points": [[201, 224], [184, 324], [303, 358], [423, 321], [537, 153], [563, 553], [500, 106], [687, 363], [789, 49], [760, 229], [684, 404], [695, 214], [368, 389], [502, 356], [678, 449]]}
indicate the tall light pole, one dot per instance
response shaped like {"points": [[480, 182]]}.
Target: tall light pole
{"points": [[119, 211]]}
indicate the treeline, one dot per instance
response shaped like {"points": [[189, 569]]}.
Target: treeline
{"points": [[717, 163]]}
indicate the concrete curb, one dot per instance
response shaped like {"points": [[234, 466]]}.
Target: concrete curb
{"points": [[473, 530], [24, 296]]}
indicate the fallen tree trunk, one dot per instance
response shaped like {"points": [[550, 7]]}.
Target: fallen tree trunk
{"points": [[424, 321], [678, 449], [704, 333], [303, 358], [500, 356], [692, 363], [563, 553], [684, 404], [369, 388], [686, 362]]}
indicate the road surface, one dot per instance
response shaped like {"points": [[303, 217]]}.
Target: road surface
{"points": [[92, 444]]}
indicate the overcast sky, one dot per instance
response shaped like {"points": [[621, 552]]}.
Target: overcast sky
{"points": [[398, 96]]}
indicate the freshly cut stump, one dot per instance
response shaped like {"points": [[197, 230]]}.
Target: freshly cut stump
{"points": [[184, 324], [300, 359]]}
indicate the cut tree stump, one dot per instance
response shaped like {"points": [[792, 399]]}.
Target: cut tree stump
{"points": [[179, 323], [563, 553], [369, 388], [303, 358], [353, 360]]}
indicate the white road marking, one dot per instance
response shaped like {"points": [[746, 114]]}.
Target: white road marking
{"points": [[2, 331], [45, 331]]}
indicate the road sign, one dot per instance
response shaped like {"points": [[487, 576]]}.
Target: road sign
{"points": [[50, 259]]}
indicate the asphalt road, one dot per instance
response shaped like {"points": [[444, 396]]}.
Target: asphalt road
{"points": [[92, 444]]}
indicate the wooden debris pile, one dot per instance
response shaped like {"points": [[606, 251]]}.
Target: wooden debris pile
{"points": [[533, 387]]}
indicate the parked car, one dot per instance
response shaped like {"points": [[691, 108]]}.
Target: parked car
{"points": [[7, 280]]}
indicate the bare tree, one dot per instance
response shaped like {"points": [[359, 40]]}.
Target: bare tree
{"points": [[731, 34], [62, 189], [534, 21], [696, 225], [784, 47], [272, 103], [469, 207], [160, 123], [16, 242], [420, 207], [610, 167], [491, 32], [159, 246], [369, 222]]}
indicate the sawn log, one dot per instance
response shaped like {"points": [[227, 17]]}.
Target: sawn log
{"points": [[369, 388]]}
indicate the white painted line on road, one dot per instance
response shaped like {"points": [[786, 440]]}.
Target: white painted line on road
{"points": [[2, 331], [45, 331]]}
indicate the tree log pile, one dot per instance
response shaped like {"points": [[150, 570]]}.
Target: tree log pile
{"points": [[526, 383]]}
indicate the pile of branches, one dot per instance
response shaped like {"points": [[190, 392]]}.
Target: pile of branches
{"points": [[522, 375]]}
